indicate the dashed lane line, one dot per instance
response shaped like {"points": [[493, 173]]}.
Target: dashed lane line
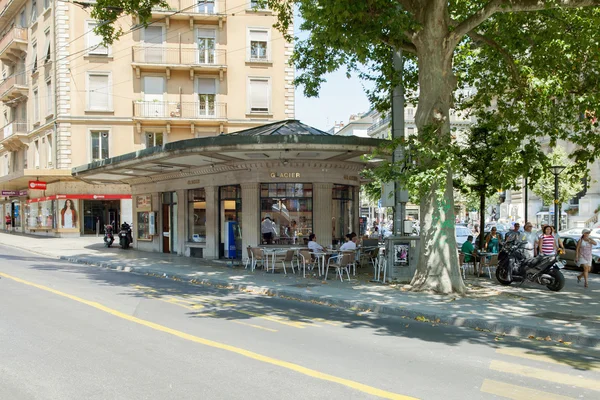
{"points": [[515, 392]]}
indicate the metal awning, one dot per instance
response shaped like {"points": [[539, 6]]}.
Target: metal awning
{"points": [[20, 180], [283, 142]]}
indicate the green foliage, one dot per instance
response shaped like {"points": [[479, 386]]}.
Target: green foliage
{"points": [[569, 180]]}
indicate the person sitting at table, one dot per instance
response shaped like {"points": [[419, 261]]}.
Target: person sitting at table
{"points": [[468, 250], [313, 245], [354, 237], [348, 244]]}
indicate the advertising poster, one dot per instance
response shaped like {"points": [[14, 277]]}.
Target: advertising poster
{"points": [[401, 253], [67, 214]]}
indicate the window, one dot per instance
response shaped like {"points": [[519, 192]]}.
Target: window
{"points": [[93, 41], [6, 165], [197, 215], [46, 4], [36, 105], [22, 19], [49, 147], [255, 4], [154, 139], [99, 88], [410, 112], [258, 46], [37, 154], [342, 211], [47, 55], [34, 63], [25, 163], [33, 11], [410, 131], [49, 97], [290, 206], [206, 6], [207, 89], [99, 145], [206, 46], [259, 95]]}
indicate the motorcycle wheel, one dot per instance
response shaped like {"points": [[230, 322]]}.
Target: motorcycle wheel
{"points": [[559, 281], [125, 244], [500, 280]]}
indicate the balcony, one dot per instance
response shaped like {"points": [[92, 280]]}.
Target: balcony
{"points": [[13, 45], [185, 112], [14, 89], [203, 10], [168, 58], [13, 135], [8, 9]]}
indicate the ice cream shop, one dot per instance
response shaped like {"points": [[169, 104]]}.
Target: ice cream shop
{"points": [[207, 197]]}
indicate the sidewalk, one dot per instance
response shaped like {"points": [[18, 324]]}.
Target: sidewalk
{"points": [[570, 315]]}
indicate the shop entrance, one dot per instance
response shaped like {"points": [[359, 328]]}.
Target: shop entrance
{"points": [[230, 221], [97, 213], [169, 222]]}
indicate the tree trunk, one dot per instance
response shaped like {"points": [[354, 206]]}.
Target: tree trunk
{"points": [[481, 219], [438, 268]]}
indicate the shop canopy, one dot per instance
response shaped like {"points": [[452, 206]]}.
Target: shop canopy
{"points": [[283, 142]]}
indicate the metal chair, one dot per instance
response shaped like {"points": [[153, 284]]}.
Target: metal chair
{"points": [[341, 263], [307, 260], [492, 263], [381, 266], [258, 256], [288, 258], [249, 260]]}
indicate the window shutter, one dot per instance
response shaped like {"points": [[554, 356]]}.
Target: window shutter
{"points": [[95, 41], [207, 86], [207, 33], [259, 95], [259, 36], [98, 92]]}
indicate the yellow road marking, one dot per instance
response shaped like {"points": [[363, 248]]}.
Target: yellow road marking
{"points": [[237, 350], [545, 375], [271, 318], [517, 392], [255, 326], [588, 365]]}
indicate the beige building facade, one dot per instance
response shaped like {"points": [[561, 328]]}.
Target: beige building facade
{"points": [[200, 68]]}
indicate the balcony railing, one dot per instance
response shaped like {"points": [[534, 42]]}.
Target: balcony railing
{"points": [[176, 110], [171, 55], [15, 127], [19, 79], [378, 124], [204, 7], [19, 34]]}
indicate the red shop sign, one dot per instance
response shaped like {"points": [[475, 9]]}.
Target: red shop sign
{"points": [[37, 185]]}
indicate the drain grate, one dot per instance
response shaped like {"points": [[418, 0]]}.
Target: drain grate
{"points": [[560, 316]]}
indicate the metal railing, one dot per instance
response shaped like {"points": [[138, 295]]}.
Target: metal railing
{"points": [[184, 110], [13, 34], [11, 128], [377, 125], [178, 55], [195, 7], [18, 79]]}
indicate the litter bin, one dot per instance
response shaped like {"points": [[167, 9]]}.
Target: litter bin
{"points": [[402, 253]]}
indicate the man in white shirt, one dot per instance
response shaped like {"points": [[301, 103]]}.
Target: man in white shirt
{"points": [[349, 244], [313, 245], [531, 238], [267, 229]]}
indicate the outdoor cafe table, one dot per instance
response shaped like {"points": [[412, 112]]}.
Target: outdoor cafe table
{"points": [[274, 251], [320, 255]]}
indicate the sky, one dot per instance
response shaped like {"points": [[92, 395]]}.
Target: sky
{"points": [[339, 97]]}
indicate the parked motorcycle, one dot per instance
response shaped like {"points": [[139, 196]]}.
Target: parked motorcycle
{"points": [[109, 236], [514, 265], [125, 237]]}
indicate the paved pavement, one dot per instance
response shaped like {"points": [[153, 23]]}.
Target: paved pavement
{"points": [[527, 311], [70, 331]]}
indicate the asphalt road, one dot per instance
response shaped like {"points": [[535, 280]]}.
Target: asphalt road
{"points": [[76, 332]]}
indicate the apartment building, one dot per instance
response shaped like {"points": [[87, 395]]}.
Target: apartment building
{"points": [[200, 68]]}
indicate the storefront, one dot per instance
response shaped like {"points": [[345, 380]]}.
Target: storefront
{"points": [[208, 197], [73, 214]]}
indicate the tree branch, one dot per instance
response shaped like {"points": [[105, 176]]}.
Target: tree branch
{"points": [[495, 6], [510, 61]]}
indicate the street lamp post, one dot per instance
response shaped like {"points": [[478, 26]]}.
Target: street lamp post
{"points": [[556, 170]]}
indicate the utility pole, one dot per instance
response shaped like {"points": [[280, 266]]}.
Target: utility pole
{"points": [[400, 194]]}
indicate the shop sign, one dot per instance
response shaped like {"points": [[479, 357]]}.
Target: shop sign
{"points": [[350, 178], [37, 185], [285, 174], [143, 202], [82, 197], [10, 193]]}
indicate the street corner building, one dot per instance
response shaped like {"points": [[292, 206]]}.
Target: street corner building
{"points": [[206, 197], [198, 69]]}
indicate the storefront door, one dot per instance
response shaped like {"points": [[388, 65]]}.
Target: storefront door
{"points": [[230, 209], [97, 213], [169, 222], [166, 228]]}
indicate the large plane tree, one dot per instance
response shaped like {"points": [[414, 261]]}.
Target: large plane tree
{"points": [[535, 62]]}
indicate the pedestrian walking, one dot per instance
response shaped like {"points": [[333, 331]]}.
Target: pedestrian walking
{"points": [[583, 255], [531, 238], [8, 221], [547, 244]]}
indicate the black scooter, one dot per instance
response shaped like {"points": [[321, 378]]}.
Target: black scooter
{"points": [[125, 238], [109, 236], [514, 265]]}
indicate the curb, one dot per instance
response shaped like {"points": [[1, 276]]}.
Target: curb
{"points": [[500, 328]]}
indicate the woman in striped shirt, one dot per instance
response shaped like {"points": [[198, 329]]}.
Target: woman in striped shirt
{"points": [[547, 242]]}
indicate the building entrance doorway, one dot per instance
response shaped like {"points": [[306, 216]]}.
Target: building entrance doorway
{"points": [[97, 213], [230, 211], [169, 222]]}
